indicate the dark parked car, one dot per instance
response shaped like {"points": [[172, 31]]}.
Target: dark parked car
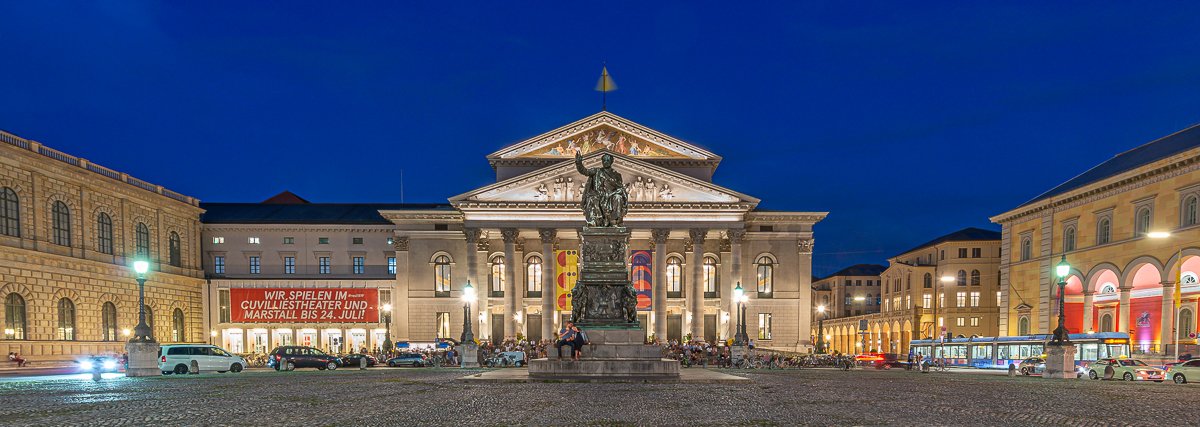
{"points": [[287, 358], [411, 359], [351, 360]]}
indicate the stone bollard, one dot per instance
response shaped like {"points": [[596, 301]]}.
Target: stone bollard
{"points": [[1012, 370], [705, 363], [925, 367], [96, 374], [362, 363], [195, 368]]}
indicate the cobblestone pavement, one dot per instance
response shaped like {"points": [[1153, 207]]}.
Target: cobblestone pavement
{"points": [[431, 397]]}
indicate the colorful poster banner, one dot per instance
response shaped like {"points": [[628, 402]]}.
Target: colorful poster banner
{"points": [[567, 269], [304, 305], [642, 278]]}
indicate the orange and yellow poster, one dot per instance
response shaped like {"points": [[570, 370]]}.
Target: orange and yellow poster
{"points": [[568, 272]]}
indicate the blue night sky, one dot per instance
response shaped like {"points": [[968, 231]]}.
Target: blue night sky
{"points": [[904, 122]]}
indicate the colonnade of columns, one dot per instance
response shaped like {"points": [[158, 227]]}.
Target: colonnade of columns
{"points": [[884, 341]]}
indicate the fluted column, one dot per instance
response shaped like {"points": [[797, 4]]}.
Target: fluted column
{"points": [[735, 270], [1087, 312], [659, 289], [696, 296], [472, 235], [1123, 322], [510, 281], [549, 281]]}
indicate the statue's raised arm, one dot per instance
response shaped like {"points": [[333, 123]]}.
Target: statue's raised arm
{"points": [[579, 165]]}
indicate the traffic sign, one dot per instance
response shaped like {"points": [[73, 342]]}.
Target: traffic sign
{"points": [[943, 329], [1192, 335]]}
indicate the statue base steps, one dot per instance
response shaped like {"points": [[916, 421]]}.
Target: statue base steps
{"points": [[609, 368]]}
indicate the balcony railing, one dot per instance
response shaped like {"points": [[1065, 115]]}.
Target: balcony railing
{"points": [[81, 163]]}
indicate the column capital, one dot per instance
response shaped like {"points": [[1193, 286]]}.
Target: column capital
{"points": [[547, 234], [735, 235], [401, 244], [472, 234], [805, 245], [698, 235], [510, 234], [660, 235]]}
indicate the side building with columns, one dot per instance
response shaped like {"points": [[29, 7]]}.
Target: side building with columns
{"points": [[69, 233], [692, 243], [918, 301], [1101, 222]]}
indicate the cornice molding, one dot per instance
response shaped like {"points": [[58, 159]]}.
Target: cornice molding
{"points": [[294, 228]]}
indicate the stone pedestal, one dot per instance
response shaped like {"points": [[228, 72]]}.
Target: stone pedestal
{"points": [[615, 354], [143, 359], [1060, 362], [469, 355], [736, 352]]}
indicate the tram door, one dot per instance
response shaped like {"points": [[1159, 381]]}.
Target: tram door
{"points": [[710, 328], [675, 327], [497, 328], [534, 327]]}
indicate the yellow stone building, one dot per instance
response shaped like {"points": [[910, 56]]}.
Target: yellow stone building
{"points": [[1101, 223], [69, 232]]}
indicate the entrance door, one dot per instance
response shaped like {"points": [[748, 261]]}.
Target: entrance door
{"points": [[643, 320], [710, 328], [534, 327], [497, 328], [675, 327]]}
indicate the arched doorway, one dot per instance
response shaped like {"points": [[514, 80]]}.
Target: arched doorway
{"points": [[1106, 323]]}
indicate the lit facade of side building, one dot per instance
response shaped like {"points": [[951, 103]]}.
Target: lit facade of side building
{"points": [[914, 302], [69, 233], [1121, 279]]}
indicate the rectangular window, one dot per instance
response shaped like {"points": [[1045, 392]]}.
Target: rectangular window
{"points": [[976, 252], [962, 321], [941, 299], [289, 265], [218, 240], [941, 322], [385, 298], [849, 283], [358, 240], [391, 240], [391, 265], [974, 321], [927, 301], [322, 240], [252, 240], [961, 299], [858, 283], [219, 265], [997, 298], [974, 299], [764, 326], [443, 325], [847, 312], [870, 283], [323, 265], [254, 265], [857, 312], [943, 254], [224, 295], [962, 252], [908, 302], [358, 265], [289, 240]]}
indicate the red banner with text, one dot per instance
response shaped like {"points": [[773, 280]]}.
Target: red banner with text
{"points": [[304, 305]]}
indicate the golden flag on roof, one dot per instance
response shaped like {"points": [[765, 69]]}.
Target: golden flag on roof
{"points": [[606, 83]]}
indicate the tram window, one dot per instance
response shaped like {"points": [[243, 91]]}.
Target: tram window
{"points": [[1002, 351], [1089, 352]]}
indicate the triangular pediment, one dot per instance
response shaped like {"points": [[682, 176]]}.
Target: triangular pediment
{"points": [[648, 184], [603, 130]]}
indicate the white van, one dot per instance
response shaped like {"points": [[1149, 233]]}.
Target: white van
{"points": [[177, 358]]}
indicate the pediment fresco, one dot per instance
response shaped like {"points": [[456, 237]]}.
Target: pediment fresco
{"points": [[646, 184], [603, 137]]}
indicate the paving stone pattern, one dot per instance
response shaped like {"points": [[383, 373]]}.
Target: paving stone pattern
{"points": [[431, 397]]}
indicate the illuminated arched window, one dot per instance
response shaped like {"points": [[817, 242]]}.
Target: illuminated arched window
{"points": [[108, 322], [975, 278], [710, 277], [533, 276], [928, 280], [441, 276], [1026, 249], [1189, 211], [1143, 221], [1186, 324], [1104, 232], [104, 234], [497, 277], [178, 333], [1023, 326], [766, 276], [1069, 239], [14, 317], [66, 320], [962, 278], [674, 277], [141, 237]]}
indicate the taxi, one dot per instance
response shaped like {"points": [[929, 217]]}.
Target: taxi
{"points": [[1125, 369], [1184, 372]]}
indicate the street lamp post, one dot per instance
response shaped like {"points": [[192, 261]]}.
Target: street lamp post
{"points": [[821, 329], [1061, 334], [142, 332], [739, 295], [387, 321], [467, 296]]}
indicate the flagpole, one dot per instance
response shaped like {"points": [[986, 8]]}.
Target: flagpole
{"points": [[1178, 292]]}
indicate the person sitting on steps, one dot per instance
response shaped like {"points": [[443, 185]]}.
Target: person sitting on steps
{"points": [[580, 340], [566, 337]]}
